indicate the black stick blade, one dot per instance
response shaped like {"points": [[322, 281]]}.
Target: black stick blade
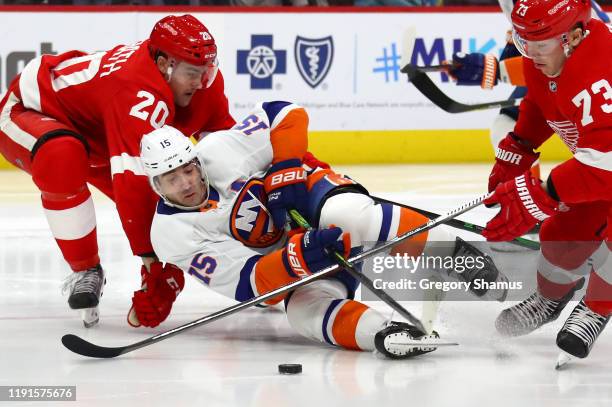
{"points": [[430, 90], [82, 347]]}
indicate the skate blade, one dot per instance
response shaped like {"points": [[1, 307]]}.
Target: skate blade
{"points": [[562, 360], [429, 343], [90, 316]]}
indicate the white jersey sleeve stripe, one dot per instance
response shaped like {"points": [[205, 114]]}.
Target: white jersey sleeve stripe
{"points": [[28, 85], [8, 127], [124, 162]]}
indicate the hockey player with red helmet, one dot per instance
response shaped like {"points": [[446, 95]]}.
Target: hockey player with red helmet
{"points": [[75, 119], [568, 75]]}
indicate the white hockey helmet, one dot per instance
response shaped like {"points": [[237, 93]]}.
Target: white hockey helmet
{"points": [[164, 150]]}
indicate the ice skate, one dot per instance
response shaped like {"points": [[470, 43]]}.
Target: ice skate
{"points": [[581, 330], [532, 313], [397, 341], [86, 288]]}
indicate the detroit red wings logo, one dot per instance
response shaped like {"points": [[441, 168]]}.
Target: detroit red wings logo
{"points": [[567, 131], [249, 221]]}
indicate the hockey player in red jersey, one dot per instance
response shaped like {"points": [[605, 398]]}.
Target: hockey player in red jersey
{"points": [[568, 75], [477, 69], [76, 119]]}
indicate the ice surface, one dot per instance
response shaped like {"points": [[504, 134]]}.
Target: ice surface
{"points": [[234, 361]]}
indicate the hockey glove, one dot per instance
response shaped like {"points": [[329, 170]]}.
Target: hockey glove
{"points": [[152, 304], [309, 252], [475, 69], [285, 184], [512, 158], [304, 254], [524, 203]]}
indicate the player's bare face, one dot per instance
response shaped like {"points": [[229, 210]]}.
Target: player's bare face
{"points": [[183, 185], [549, 55], [550, 62], [185, 80]]}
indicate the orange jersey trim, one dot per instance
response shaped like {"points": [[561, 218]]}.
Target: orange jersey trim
{"points": [[409, 220], [290, 137], [270, 274]]}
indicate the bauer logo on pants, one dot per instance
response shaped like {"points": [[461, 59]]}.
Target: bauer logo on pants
{"points": [[314, 58]]}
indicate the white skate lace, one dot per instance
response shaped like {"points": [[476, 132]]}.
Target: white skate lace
{"points": [[82, 282], [585, 324], [535, 310]]}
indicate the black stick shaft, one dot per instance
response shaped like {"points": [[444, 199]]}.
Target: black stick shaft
{"points": [[460, 224]]}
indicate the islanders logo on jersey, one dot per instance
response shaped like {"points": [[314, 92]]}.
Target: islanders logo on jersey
{"points": [[314, 58], [250, 224]]}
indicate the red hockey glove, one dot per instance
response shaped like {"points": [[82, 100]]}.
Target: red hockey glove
{"points": [[512, 158], [285, 184], [153, 303], [524, 203]]}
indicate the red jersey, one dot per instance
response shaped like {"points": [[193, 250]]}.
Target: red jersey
{"points": [[112, 99], [577, 105]]}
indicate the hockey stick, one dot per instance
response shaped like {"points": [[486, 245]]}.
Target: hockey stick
{"points": [[435, 68], [79, 345], [365, 281], [460, 224], [429, 89]]}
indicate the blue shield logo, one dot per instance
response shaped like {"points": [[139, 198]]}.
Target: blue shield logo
{"points": [[314, 58]]}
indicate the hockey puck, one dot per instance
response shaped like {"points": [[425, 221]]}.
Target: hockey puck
{"points": [[290, 368]]}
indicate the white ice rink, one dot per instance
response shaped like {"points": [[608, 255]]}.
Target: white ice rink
{"points": [[233, 362]]}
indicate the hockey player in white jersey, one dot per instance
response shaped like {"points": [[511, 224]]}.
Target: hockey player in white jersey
{"points": [[221, 218]]}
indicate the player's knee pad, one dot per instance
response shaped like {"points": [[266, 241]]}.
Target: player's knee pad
{"points": [[60, 166], [502, 125], [356, 214], [307, 306]]}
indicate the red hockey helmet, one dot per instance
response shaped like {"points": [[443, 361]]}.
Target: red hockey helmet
{"points": [[184, 38], [537, 20]]}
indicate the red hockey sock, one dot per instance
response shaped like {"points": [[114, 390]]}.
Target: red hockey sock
{"points": [[552, 290], [59, 169], [599, 295]]}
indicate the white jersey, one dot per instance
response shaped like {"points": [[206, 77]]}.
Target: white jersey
{"points": [[220, 244]]}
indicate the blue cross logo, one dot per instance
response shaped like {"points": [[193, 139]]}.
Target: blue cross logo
{"points": [[262, 61]]}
